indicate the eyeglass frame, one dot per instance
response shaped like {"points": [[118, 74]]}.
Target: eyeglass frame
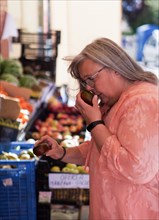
{"points": [[90, 80]]}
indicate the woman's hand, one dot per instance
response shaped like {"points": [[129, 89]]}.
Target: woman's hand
{"points": [[89, 113], [72, 155], [56, 151]]}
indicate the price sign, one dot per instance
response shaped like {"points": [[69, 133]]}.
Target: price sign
{"points": [[45, 197], [68, 181]]}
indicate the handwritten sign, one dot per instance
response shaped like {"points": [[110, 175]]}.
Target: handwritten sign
{"points": [[68, 181]]}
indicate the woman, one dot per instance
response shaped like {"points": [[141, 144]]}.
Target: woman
{"points": [[122, 155]]}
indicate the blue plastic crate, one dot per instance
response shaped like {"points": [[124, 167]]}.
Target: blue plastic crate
{"points": [[17, 190], [14, 146]]}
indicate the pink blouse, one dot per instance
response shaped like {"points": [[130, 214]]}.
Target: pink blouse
{"points": [[124, 177]]}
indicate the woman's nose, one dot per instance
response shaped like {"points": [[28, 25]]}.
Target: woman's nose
{"points": [[89, 88]]}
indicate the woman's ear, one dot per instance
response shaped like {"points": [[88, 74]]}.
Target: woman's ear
{"points": [[116, 73]]}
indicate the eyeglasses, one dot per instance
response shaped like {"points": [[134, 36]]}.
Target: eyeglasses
{"points": [[90, 80]]}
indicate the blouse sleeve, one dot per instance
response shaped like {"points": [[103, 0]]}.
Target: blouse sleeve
{"points": [[132, 153], [84, 149]]}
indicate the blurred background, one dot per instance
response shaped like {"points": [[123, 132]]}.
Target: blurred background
{"points": [[37, 94], [128, 22]]}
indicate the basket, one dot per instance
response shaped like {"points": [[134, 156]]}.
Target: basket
{"points": [[14, 147], [17, 190]]}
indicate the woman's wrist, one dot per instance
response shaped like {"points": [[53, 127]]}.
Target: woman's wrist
{"points": [[62, 155], [94, 124]]}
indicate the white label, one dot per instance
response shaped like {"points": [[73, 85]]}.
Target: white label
{"points": [[68, 181], [7, 182], [45, 197]]}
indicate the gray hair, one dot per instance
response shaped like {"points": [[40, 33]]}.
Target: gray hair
{"points": [[107, 53]]}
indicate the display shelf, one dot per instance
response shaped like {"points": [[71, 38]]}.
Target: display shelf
{"points": [[63, 197], [40, 50], [38, 106]]}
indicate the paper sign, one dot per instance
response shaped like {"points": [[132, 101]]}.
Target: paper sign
{"points": [[68, 181], [45, 197], [7, 182]]}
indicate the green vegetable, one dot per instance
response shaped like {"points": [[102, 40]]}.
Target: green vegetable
{"points": [[9, 78], [12, 66], [1, 60], [28, 81]]}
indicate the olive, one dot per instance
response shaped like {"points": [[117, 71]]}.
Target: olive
{"points": [[41, 149], [87, 96]]}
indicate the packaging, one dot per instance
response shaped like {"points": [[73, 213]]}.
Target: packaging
{"points": [[8, 130], [10, 110], [14, 91]]}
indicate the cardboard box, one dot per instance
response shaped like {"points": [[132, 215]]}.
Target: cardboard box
{"points": [[9, 108], [9, 105], [14, 91]]}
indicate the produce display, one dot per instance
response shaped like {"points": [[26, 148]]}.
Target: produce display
{"points": [[70, 168], [58, 120], [19, 92], [61, 122], [11, 66], [9, 78], [27, 81], [23, 155], [25, 107], [12, 71]]}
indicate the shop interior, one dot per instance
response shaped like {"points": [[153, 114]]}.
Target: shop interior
{"points": [[38, 40]]}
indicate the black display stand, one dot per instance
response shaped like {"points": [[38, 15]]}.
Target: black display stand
{"points": [[40, 50]]}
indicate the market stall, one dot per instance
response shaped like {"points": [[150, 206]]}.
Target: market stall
{"points": [[30, 109]]}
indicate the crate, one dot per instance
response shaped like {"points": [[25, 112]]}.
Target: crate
{"points": [[17, 190], [15, 146], [40, 51], [40, 45]]}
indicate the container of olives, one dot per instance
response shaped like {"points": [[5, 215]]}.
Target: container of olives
{"points": [[41, 149], [87, 96]]}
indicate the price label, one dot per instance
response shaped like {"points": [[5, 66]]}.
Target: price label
{"points": [[68, 181], [45, 197]]}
